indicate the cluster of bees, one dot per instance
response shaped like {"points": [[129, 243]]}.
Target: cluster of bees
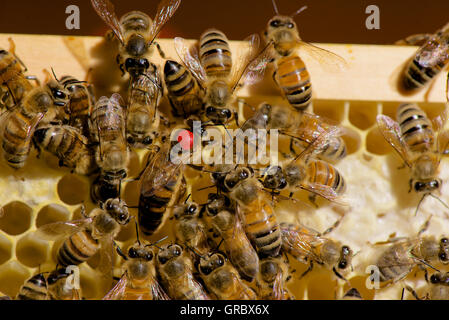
{"points": [[232, 246]]}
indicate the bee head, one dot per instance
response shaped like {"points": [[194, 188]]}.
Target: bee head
{"points": [[118, 209], [136, 66], [443, 254], [427, 186], [275, 178], [346, 255], [236, 176], [169, 252], [211, 263]]}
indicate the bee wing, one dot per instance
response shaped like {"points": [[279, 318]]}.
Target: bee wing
{"points": [[278, 287], [106, 256], [58, 230], [105, 9], [300, 243], [324, 191], [434, 52], [190, 57], [157, 291], [328, 60], [165, 10], [116, 293], [392, 133]]}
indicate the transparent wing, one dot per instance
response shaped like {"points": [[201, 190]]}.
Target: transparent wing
{"points": [[324, 191], [300, 242], [58, 230], [392, 133], [157, 291], [116, 293], [320, 142], [328, 60], [105, 9], [165, 10], [278, 287], [242, 59], [106, 256], [433, 52], [190, 57]]}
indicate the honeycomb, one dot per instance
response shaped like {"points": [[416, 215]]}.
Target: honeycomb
{"points": [[377, 191]]}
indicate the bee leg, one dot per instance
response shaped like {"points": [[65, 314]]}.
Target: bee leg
{"points": [[159, 49], [119, 61], [109, 35], [274, 76], [312, 199], [119, 251], [310, 268], [236, 117], [38, 148], [413, 292], [410, 186]]}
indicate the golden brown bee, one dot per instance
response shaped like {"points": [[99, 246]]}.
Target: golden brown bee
{"points": [[430, 59], [83, 238], [220, 214], [108, 123], [161, 185], [272, 278], [81, 103], [184, 93], [176, 272], [190, 230], [398, 260], [303, 127], [143, 117], [222, 279], [254, 210], [35, 288], [291, 74], [414, 139], [69, 145], [218, 74], [136, 32], [58, 288], [309, 246], [139, 281]]}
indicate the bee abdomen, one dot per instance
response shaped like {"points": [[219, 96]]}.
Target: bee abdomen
{"points": [[215, 53], [34, 288], [326, 174], [151, 211], [334, 150], [294, 81], [77, 249], [416, 128]]}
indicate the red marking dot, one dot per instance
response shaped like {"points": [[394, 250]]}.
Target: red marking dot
{"points": [[185, 139]]}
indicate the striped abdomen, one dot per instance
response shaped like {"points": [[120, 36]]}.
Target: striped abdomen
{"points": [[226, 285], [77, 249], [183, 90], [135, 21], [418, 74], [17, 133], [108, 121], [323, 173], [395, 263], [215, 54], [34, 288], [152, 208], [81, 102], [261, 226], [64, 142], [294, 81], [9, 66], [416, 128]]}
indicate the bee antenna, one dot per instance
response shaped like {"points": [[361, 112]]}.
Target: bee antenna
{"points": [[420, 201], [275, 7], [196, 253], [54, 74], [137, 233], [298, 11], [441, 201], [155, 243], [218, 247], [187, 198]]}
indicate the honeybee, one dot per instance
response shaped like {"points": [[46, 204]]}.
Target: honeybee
{"points": [[414, 139], [220, 214], [84, 237], [309, 246], [14, 84], [139, 281], [34, 288], [112, 155], [218, 74], [136, 33], [176, 272], [190, 230], [438, 288], [291, 74], [69, 145], [143, 117], [430, 59], [57, 286], [272, 278], [222, 279], [81, 102], [161, 185], [184, 93], [301, 126], [254, 210], [398, 260]]}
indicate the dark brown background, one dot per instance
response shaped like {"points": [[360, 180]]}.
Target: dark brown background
{"points": [[333, 21]]}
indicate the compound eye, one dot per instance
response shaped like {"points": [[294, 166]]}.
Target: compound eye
{"points": [[148, 256], [192, 208], [206, 270], [345, 250], [343, 264], [60, 95], [444, 240], [146, 141], [290, 25], [122, 217], [220, 261], [132, 253], [244, 174], [129, 63], [226, 113], [419, 186], [443, 256], [145, 63], [130, 140], [435, 184], [177, 252], [275, 23], [434, 278], [162, 260], [210, 110]]}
